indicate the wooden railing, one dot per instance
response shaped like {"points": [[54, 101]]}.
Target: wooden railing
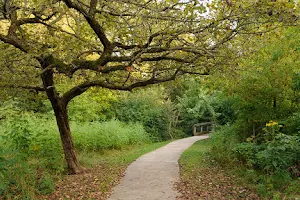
{"points": [[202, 128]]}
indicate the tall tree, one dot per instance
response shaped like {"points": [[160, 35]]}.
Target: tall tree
{"points": [[120, 44]]}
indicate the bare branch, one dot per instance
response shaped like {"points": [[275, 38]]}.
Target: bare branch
{"points": [[14, 42]]}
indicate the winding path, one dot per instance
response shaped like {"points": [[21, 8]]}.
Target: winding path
{"points": [[152, 176]]}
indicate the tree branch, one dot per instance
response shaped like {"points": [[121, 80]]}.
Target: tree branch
{"points": [[99, 31], [79, 89], [14, 42], [93, 5]]}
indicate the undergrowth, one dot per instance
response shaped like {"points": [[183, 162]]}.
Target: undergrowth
{"points": [[31, 157], [268, 161]]}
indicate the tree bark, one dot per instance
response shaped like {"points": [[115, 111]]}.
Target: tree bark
{"points": [[61, 114], [62, 120]]}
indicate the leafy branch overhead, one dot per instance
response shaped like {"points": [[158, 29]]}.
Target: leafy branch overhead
{"points": [[157, 41]]}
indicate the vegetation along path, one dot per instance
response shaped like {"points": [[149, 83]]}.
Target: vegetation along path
{"points": [[153, 175]]}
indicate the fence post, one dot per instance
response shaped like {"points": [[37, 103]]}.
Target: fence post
{"points": [[204, 128]]}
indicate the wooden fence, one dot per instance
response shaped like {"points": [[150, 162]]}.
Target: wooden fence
{"points": [[202, 128]]}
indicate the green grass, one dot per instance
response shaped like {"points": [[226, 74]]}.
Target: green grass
{"points": [[115, 157], [113, 134], [196, 153]]}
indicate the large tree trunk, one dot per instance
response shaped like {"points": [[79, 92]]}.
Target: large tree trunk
{"points": [[61, 114]]}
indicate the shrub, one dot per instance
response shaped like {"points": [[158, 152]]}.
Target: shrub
{"points": [[271, 158], [245, 153], [292, 124], [274, 154], [93, 105], [28, 153], [150, 109], [223, 142], [195, 106], [223, 107], [270, 151], [279, 154]]}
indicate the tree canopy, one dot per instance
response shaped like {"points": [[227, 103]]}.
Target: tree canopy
{"points": [[128, 44]]}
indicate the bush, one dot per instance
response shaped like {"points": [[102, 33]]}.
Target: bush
{"points": [[270, 159], [245, 153], [274, 155], [195, 105], [150, 109], [28, 153], [292, 125], [279, 154], [223, 142], [271, 150], [223, 107], [93, 105]]}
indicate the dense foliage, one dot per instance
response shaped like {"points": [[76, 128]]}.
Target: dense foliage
{"points": [[265, 137], [148, 108]]}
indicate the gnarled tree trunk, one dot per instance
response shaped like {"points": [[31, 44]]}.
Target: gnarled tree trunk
{"points": [[61, 114]]}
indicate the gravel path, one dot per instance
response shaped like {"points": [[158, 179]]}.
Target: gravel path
{"points": [[152, 176]]}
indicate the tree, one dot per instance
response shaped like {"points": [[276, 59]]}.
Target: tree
{"points": [[195, 105], [264, 86], [119, 44]]}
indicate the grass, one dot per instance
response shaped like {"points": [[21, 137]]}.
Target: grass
{"points": [[111, 134], [191, 157], [122, 156]]}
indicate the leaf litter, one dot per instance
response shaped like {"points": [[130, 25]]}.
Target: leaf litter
{"points": [[95, 183], [211, 182]]}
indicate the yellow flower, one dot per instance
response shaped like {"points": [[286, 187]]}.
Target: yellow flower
{"points": [[35, 148], [271, 123]]}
